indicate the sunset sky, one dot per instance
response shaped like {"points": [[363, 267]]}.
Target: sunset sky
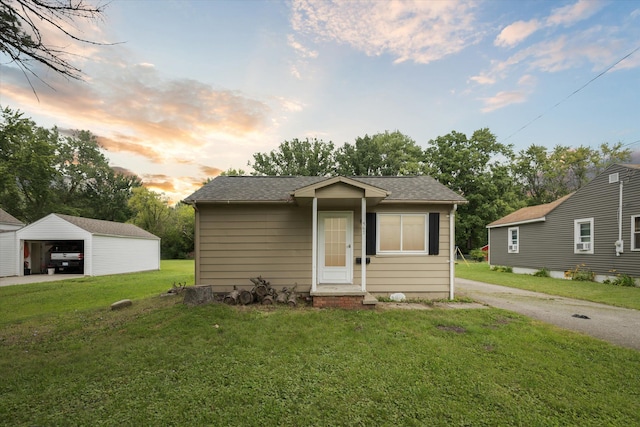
{"points": [[188, 89]]}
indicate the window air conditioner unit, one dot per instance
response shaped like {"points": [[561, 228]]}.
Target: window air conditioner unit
{"points": [[513, 248], [583, 246]]}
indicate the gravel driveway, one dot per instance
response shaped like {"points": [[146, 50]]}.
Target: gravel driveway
{"points": [[616, 325]]}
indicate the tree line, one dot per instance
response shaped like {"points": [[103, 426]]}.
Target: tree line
{"points": [[46, 170], [490, 175]]}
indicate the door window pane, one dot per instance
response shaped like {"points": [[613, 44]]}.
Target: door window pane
{"points": [[335, 244]]}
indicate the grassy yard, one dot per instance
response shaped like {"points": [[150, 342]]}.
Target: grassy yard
{"points": [[46, 299], [620, 296], [66, 359]]}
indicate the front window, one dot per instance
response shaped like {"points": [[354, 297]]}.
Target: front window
{"points": [[583, 236], [402, 233], [514, 240], [635, 233]]}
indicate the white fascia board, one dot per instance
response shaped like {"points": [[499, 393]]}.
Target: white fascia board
{"points": [[511, 224]]}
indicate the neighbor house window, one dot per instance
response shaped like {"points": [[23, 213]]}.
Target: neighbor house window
{"points": [[583, 236], [635, 233], [402, 233], [514, 240]]}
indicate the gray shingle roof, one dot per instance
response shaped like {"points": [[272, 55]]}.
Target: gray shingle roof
{"points": [[279, 188], [109, 228], [7, 218]]}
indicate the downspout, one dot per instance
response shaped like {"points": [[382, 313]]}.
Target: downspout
{"points": [[620, 242], [363, 244], [314, 245], [452, 249]]}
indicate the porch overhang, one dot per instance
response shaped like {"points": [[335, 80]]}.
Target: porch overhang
{"points": [[340, 190]]}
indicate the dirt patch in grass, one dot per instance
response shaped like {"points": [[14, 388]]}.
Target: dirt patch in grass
{"points": [[452, 328], [426, 306]]}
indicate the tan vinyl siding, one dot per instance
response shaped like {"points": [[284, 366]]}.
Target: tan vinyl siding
{"points": [[339, 191], [239, 242], [414, 275]]}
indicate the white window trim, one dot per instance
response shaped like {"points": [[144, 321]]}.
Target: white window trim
{"points": [[576, 235], [636, 247], [510, 243], [401, 252]]}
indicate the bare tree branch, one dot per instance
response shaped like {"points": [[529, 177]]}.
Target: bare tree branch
{"points": [[21, 40]]}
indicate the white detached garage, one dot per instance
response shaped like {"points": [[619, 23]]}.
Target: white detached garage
{"points": [[108, 247]]}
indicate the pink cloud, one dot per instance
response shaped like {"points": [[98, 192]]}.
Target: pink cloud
{"points": [[516, 32]]}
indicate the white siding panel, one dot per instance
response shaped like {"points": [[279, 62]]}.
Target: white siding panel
{"points": [[52, 228], [115, 255], [8, 254]]}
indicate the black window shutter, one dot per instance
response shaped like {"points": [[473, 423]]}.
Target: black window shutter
{"points": [[434, 233], [371, 233]]}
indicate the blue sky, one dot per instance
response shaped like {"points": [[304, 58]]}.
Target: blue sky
{"points": [[197, 87]]}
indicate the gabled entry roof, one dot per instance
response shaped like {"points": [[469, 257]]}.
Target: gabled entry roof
{"points": [[368, 190], [243, 189]]}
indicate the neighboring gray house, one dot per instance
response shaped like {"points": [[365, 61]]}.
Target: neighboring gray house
{"points": [[596, 228], [8, 252], [336, 238]]}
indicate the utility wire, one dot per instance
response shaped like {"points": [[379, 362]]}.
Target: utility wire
{"points": [[575, 91]]}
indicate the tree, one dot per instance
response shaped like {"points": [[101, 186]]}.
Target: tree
{"points": [[23, 22], [478, 168], [87, 185], [383, 154], [547, 176], [233, 172], [531, 166], [27, 154], [178, 237], [174, 225], [296, 157], [150, 210], [42, 172]]}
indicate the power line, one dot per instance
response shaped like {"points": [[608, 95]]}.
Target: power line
{"points": [[575, 91]]}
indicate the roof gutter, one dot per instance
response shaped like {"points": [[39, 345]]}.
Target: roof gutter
{"points": [[527, 221]]}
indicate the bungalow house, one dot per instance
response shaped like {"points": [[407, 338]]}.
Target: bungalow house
{"points": [[597, 228], [337, 238]]}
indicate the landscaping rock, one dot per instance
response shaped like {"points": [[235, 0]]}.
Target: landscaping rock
{"points": [[121, 304], [397, 297]]}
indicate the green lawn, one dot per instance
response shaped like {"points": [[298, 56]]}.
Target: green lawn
{"points": [[44, 299], [159, 362], [620, 296]]}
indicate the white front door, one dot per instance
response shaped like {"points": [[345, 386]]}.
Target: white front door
{"points": [[335, 247]]}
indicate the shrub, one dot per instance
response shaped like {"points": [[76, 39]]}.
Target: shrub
{"points": [[622, 280], [543, 272], [478, 255], [581, 273], [502, 269]]}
